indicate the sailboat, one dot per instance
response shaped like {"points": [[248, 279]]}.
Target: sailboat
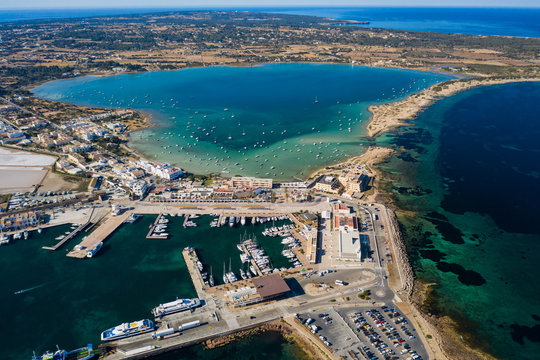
{"points": [[211, 280], [225, 278]]}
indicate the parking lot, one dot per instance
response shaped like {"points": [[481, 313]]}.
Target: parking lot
{"points": [[365, 333]]}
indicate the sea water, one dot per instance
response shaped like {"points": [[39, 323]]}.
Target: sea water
{"points": [[470, 170], [279, 120], [49, 299]]}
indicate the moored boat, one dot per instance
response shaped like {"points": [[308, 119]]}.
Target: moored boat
{"points": [[127, 330], [178, 305]]}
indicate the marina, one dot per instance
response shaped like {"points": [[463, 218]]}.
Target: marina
{"points": [[125, 258]]}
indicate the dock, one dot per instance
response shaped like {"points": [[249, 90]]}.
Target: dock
{"points": [[190, 257], [151, 234], [71, 235], [246, 251], [98, 235], [67, 238]]}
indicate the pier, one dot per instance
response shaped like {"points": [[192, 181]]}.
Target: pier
{"points": [[246, 251], [71, 235], [190, 257], [98, 235], [151, 234]]}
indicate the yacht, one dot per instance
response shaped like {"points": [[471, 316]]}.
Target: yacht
{"points": [[127, 330], [92, 252], [175, 306]]}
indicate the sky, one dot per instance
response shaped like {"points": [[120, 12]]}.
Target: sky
{"points": [[47, 4]]}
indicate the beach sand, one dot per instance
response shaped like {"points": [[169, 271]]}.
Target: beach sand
{"points": [[391, 115]]}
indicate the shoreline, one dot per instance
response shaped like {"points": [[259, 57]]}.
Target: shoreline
{"points": [[385, 117], [388, 116]]}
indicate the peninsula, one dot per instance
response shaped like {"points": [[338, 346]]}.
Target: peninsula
{"points": [[346, 288]]}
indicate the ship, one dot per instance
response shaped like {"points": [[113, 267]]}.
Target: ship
{"points": [[84, 353], [178, 305], [92, 252], [127, 330]]}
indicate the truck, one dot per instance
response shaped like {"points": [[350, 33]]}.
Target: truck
{"points": [[375, 217], [314, 328], [160, 334], [189, 325]]}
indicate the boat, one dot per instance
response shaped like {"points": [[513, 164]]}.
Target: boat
{"points": [[4, 239], [253, 270], [127, 330], [211, 279], [25, 234], [92, 252], [232, 221], [84, 353], [243, 220], [17, 236], [132, 218], [39, 230], [175, 306], [244, 258], [200, 265], [239, 247], [243, 274]]}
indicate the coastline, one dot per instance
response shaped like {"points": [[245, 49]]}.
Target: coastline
{"points": [[440, 333], [388, 116], [445, 340]]}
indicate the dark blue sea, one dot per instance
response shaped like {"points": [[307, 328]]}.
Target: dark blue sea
{"points": [[469, 171], [480, 21]]}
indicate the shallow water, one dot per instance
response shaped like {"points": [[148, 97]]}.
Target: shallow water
{"points": [[278, 120], [471, 172]]}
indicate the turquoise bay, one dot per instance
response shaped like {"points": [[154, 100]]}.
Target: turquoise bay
{"points": [[277, 120]]}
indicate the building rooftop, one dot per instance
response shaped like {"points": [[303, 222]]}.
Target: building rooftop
{"points": [[270, 286]]}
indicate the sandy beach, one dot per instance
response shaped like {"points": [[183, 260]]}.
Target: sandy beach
{"points": [[391, 115]]}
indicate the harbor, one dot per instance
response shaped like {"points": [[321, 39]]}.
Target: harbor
{"points": [[126, 253]]}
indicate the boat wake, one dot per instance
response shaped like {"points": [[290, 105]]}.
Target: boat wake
{"points": [[29, 289]]}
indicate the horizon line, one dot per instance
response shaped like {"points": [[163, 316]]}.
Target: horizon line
{"points": [[271, 7]]}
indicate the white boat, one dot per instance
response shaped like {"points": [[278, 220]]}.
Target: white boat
{"points": [[243, 220], [252, 268], [127, 330], [92, 252], [175, 306], [200, 265], [232, 221]]}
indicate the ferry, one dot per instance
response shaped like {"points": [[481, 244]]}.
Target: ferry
{"points": [[92, 252], [175, 306], [85, 353], [127, 330]]}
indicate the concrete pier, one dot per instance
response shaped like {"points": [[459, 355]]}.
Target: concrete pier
{"points": [[190, 257], [98, 235]]}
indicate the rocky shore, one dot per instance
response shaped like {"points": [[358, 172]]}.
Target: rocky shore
{"points": [[281, 326]]}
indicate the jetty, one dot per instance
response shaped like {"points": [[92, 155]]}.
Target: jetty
{"points": [[70, 235], [97, 236], [151, 234], [252, 260], [191, 258]]}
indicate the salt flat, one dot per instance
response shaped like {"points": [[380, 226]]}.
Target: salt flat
{"points": [[17, 158]]}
